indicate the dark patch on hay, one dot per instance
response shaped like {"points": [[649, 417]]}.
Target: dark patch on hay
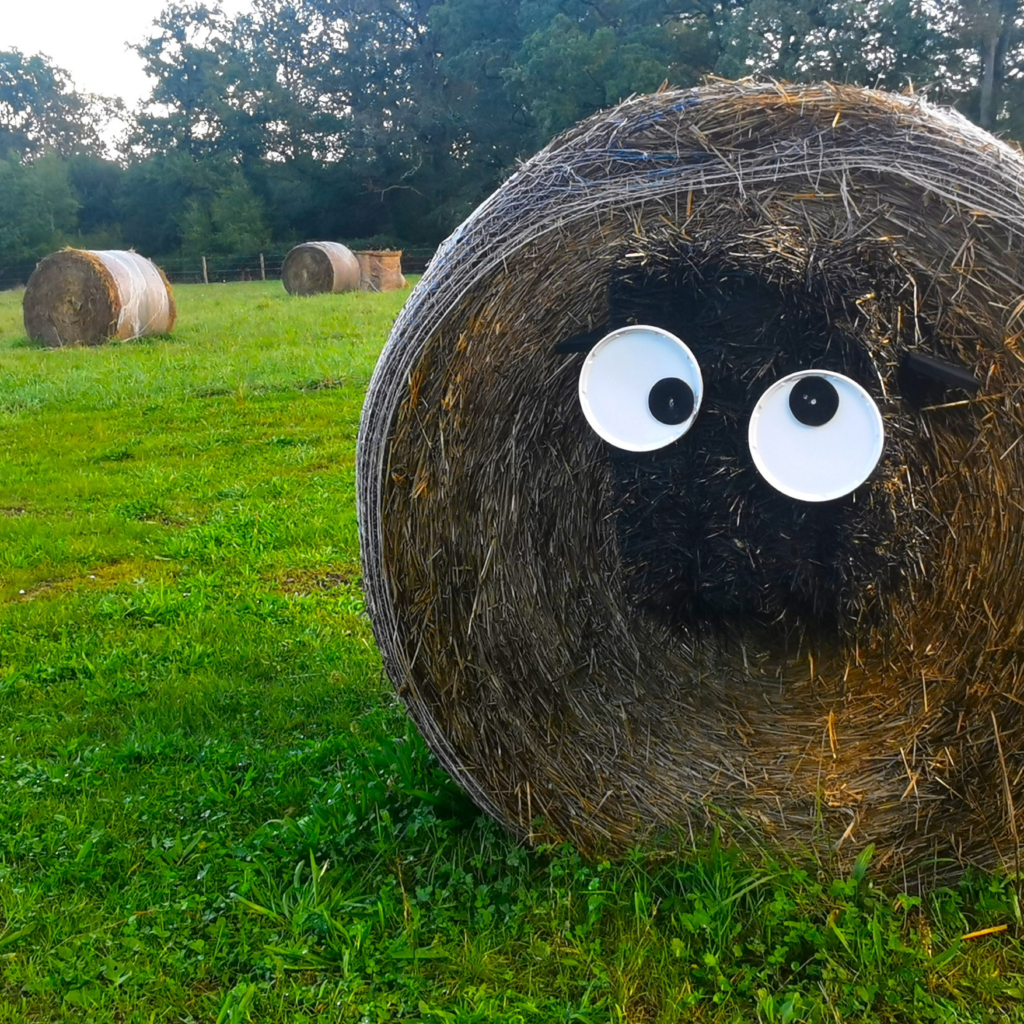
{"points": [[71, 299], [703, 537], [577, 634]]}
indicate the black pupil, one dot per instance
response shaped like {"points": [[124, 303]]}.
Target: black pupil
{"points": [[671, 400], [813, 401]]}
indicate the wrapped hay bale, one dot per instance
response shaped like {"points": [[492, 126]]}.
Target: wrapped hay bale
{"points": [[380, 271], [80, 297], [690, 480], [316, 267]]}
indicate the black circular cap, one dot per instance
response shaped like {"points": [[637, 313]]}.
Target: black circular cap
{"points": [[813, 401], [671, 400]]}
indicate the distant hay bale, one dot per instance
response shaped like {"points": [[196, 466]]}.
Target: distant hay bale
{"points": [[380, 271], [316, 267], [81, 297], [601, 643]]}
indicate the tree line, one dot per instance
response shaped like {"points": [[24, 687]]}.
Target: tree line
{"points": [[387, 121]]}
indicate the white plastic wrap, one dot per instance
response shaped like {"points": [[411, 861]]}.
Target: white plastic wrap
{"points": [[145, 302]]}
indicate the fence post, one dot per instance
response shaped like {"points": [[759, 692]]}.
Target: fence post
{"points": [[263, 269], [206, 276]]}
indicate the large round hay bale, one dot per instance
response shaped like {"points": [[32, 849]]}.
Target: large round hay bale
{"points": [[601, 637], [316, 267], [380, 270], [81, 297]]}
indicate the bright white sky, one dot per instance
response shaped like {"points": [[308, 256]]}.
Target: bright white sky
{"points": [[89, 39]]}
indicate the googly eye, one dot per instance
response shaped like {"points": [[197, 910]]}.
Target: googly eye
{"points": [[640, 388], [816, 435]]}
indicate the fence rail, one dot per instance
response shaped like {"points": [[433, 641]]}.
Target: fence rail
{"points": [[15, 275], [222, 269], [265, 266]]}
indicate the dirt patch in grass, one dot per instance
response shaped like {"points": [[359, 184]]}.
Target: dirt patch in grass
{"points": [[103, 577], [35, 591], [305, 582]]}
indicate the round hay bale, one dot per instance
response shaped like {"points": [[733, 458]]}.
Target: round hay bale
{"points": [[380, 271], [81, 297], [316, 267], [602, 644]]}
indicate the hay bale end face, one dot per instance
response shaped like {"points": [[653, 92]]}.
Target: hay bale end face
{"points": [[381, 271], [81, 297], [614, 635], [317, 267]]}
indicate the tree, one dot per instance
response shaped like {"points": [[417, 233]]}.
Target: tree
{"points": [[97, 185], [151, 199], [37, 207], [578, 57], [351, 118], [230, 220], [985, 60], [354, 88], [40, 112], [889, 44], [261, 85]]}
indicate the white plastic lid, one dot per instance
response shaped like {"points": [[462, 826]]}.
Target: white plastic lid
{"points": [[616, 381], [816, 463]]}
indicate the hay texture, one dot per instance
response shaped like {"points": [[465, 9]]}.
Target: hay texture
{"points": [[380, 271], [317, 267], [602, 645], [79, 297]]}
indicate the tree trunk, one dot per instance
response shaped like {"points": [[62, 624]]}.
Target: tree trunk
{"points": [[988, 81], [994, 46]]}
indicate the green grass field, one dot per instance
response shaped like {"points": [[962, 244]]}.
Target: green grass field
{"points": [[212, 808]]}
